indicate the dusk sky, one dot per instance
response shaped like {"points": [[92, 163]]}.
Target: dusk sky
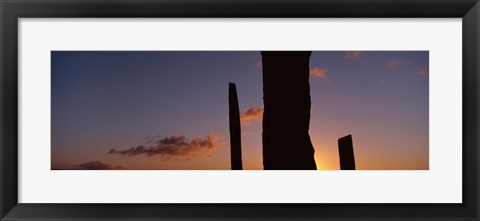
{"points": [[106, 104]]}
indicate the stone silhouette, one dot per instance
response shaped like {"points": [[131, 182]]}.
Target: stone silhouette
{"points": [[235, 131], [286, 116], [345, 150]]}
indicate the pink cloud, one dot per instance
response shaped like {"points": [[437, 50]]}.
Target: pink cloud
{"points": [[353, 55], [395, 62], [251, 114], [381, 82], [421, 72], [174, 147], [320, 73], [258, 65], [246, 133], [97, 165]]}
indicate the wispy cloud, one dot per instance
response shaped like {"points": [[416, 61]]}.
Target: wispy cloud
{"points": [[174, 147], [393, 62], [96, 165], [421, 72], [246, 133], [353, 55], [251, 114], [381, 82], [258, 65], [320, 73]]}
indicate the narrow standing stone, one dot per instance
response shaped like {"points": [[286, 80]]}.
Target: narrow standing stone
{"points": [[235, 131], [345, 150]]}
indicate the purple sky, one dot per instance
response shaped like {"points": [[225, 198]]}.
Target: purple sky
{"points": [[169, 110]]}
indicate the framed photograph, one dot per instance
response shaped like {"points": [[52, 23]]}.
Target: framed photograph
{"points": [[229, 110]]}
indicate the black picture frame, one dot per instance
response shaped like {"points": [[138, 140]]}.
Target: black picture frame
{"points": [[12, 10]]}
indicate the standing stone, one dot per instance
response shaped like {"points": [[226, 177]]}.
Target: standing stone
{"points": [[345, 150], [286, 116], [235, 131]]}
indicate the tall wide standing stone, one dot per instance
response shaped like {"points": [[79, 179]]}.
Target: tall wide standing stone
{"points": [[286, 116], [235, 132], [345, 150]]}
